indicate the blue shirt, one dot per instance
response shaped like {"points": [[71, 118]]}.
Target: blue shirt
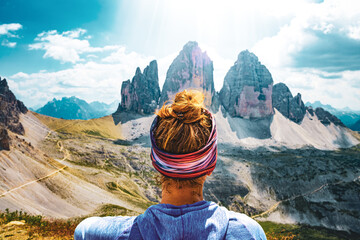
{"points": [[201, 220]]}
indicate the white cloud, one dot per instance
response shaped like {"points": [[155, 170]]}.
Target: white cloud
{"points": [[329, 17], [7, 29], [354, 31], [311, 23], [66, 46], [7, 43]]}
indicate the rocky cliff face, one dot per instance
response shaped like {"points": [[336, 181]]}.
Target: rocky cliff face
{"points": [[141, 94], [10, 109], [289, 106], [192, 68], [247, 89]]}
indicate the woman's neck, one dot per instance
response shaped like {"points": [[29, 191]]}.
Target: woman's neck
{"points": [[181, 196]]}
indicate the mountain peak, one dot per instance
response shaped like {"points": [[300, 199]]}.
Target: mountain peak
{"points": [[3, 85], [138, 71], [247, 89], [190, 45], [141, 94], [9, 114], [193, 69]]}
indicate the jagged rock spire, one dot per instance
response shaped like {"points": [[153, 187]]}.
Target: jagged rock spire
{"points": [[191, 69], [142, 93], [247, 88]]}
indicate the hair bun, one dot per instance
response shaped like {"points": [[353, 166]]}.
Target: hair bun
{"points": [[188, 106]]}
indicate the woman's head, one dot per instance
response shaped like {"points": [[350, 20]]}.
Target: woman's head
{"points": [[184, 138], [184, 126]]}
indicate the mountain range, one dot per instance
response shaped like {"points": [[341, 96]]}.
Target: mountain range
{"points": [[250, 109], [75, 108], [348, 116]]}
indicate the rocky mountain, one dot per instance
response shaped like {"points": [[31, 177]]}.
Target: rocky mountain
{"points": [[346, 115], [142, 93], [326, 118], [294, 109], [103, 108], [289, 106], [192, 68], [10, 109], [75, 108], [247, 89]]}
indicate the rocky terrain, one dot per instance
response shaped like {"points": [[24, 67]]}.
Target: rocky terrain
{"points": [[75, 108], [302, 185]]}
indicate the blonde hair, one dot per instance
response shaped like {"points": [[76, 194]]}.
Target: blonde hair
{"points": [[184, 126]]}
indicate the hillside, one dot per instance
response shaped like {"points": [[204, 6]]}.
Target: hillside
{"points": [[101, 127], [41, 165]]}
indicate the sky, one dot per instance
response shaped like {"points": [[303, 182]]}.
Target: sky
{"points": [[86, 48]]}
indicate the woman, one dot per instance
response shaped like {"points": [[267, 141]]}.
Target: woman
{"points": [[184, 150]]}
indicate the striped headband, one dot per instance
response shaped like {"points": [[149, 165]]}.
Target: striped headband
{"points": [[187, 165]]}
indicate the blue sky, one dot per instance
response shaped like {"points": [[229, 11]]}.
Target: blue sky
{"points": [[87, 48]]}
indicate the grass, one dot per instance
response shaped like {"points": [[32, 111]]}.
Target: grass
{"points": [[35, 226], [114, 210], [277, 231], [99, 127]]}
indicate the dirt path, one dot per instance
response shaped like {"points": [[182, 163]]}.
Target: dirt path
{"points": [[66, 156], [274, 207]]}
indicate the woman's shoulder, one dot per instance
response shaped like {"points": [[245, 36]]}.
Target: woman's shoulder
{"points": [[104, 227], [242, 226]]}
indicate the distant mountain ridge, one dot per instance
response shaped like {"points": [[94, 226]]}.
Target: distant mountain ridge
{"points": [[356, 126], [76, 108], [348, 116]]}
